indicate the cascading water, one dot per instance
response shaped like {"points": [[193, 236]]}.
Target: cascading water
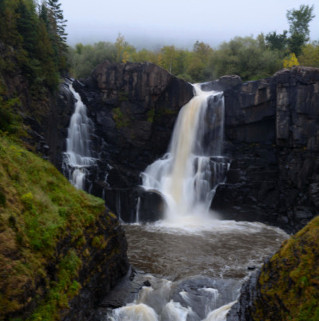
{"points": [[77, 158], [202, 260], [193, 167]]}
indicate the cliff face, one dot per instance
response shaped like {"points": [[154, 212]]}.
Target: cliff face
{"points": [[270, 129], [272, 138], [60, 250], [286, 288], [133, 107], [44, 114]]}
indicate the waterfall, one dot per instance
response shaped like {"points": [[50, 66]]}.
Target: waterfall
{"points": [[193, 166], [77, 157]]}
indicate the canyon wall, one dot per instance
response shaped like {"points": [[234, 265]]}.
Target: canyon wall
{"points": [[272, 137]]}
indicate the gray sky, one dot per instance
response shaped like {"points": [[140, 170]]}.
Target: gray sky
{"points": [[151, 24]]}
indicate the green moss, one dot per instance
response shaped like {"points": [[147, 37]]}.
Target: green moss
{"points": [[289, 283], [99, 242], [120, 119], [150, 115], [39, 209]]}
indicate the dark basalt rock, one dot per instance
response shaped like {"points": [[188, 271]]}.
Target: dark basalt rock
{"points": [[241, 310], [271, 133], [151, 206], [133, 107], [102, 269], [271, 130]]}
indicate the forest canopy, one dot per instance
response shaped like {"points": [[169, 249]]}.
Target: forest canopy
{"points": [[249, 57], [36, 34]]}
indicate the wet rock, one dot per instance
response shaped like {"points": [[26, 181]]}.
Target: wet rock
{"points": [[133, 107], [271, 131], [151, 206], [202, 293], [284, 288]]}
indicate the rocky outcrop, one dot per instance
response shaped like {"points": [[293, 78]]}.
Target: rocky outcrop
{"points": [[45, 115], [286, 288], [133, 107], [104, 264], [61, 251], [271, 130]]}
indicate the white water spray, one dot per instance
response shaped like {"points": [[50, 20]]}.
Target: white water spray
{"points": [[193, 167], [77, 157]]}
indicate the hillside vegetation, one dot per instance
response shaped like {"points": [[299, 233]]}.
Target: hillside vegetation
{"points": [[40, 211], [288, 286]]}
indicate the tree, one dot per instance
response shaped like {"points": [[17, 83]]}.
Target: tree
{"points": [[299, 27], [124, 51], [168, 58], [245, 57], [290, 61], [52, 14], [276, 41], [310, 55]]}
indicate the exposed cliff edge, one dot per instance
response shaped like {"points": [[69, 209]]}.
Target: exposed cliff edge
{"points": [[133, 107], [272, 137], [271, 131], [286, 288], [60, 250]]}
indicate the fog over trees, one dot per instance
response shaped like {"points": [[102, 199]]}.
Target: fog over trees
{"points": [[249, 57]]}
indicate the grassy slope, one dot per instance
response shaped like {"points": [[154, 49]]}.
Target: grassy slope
{"points": [[38, 209], [289, 283]]}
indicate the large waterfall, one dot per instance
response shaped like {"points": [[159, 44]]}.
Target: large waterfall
{"points": [[189, 173], [77, 157], [192, 263]]}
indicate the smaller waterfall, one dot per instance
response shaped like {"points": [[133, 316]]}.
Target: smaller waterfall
{"points": [[193, 167], [77, 157]]}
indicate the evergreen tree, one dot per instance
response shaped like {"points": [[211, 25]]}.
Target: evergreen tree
{"points": [[55, 22]]}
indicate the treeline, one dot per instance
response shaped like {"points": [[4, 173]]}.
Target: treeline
{"points": [[251, 58], [35, 34]]}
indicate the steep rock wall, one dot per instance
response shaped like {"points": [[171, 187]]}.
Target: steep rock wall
{"points": [[133, 107], [271, 130]]}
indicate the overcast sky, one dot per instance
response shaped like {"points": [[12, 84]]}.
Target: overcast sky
{"points": [[151, 24]]}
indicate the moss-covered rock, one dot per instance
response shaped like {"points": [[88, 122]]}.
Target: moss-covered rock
{"points": [[287, 287], [57, 244]]}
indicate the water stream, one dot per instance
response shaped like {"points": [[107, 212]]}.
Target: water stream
{"points": [[193, 167], [77, 158], [191, 264]]}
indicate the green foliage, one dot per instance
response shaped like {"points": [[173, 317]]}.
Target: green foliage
{"points": [[245, 57], [276, 41], [289, 282], [121, 119], [299, 27], [39, 209], [150, 115], [38, 40], [310, 55], [84, 58]]}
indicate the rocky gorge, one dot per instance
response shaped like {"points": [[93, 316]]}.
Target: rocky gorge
{"points": [[271, 139]]}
